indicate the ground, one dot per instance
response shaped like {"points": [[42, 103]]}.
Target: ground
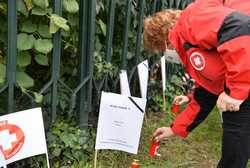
{"points": [[200, 150]]}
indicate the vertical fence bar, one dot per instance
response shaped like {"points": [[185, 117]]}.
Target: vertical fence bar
{"points": [[86, 51], [110, 30], [56, 61], [153, 8], [125, 34], [139, 31], [83, 16], [12, 51], [159, 5], [109, 38], [138, 42], [90, 52]]}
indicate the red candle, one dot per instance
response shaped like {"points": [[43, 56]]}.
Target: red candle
{"points": [[135, 164], [155, 144]]}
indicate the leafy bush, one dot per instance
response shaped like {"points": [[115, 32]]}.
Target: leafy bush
{"points": [[66, 147]]}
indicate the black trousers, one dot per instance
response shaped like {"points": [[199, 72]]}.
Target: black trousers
{"points": [[236, 138]]}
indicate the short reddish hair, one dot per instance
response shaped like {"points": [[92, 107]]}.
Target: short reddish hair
{"points": [[156, 29]]}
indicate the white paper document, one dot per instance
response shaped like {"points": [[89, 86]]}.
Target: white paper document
{"points": [[143, 77], [124, 84], [163, 73], [120, 122], [172, 56]]}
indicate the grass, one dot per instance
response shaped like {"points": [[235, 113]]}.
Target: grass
{"points": [[200, 150]]}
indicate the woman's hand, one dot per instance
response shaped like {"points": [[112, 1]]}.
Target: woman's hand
{"points": [[179, 100], [162, 133], [227, 103]]}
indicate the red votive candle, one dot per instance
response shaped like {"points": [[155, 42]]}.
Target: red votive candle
{"points": [[155, 144]]}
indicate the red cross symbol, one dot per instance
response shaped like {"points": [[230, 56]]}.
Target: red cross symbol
{"points": [[197, 61], [11, 139]]}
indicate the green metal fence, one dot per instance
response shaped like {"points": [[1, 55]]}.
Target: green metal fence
{"points": [[87, 88], [83, 90]]}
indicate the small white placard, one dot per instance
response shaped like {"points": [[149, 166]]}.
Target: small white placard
{"points": [[124, 85], [120, 122], [163, 73], [143, 77]]}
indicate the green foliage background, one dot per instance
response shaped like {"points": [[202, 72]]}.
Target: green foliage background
{"points": [[36, 25]]}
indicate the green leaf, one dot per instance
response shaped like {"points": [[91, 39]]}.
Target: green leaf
{"points": [[43, 30], [2, 73], [3, 8], [23, 59], [53, 28], [3, 37], [22, 8], [60, 22], [43, 45], [73, 20], [23, 90], [28, 27], [56, 152], [25, 41], [103, 26], [38, 97], [130, 55], [42, 59], [41, 12], [71, 6], [57, 22], [41, 3], [28, 4], [24, 80]]}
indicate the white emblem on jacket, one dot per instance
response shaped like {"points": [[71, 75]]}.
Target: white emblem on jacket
{"points": [[197, 61]]}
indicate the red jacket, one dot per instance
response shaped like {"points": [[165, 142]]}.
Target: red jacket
{"points": [[212, 40]]}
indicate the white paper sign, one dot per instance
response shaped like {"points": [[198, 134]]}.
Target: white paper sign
{"points": [[120, 122], [124, 85], [163, 73], [143, 77], [22, 135], [172, 56]]}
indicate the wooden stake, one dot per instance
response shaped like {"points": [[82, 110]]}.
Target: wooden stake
{"points": [[146, 118], [47, 158], [95, 160], [164, 100]]}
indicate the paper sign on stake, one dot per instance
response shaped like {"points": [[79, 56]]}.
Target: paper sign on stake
{"points": [[163, 73], [143, 77], [21, 137], [120, 122], [124, 85]]}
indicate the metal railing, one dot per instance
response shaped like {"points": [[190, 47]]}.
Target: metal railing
{"points": [[82, 95]]}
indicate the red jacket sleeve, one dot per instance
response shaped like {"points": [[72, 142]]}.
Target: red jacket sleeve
{"points": [[234, 39], [201, 104]]}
